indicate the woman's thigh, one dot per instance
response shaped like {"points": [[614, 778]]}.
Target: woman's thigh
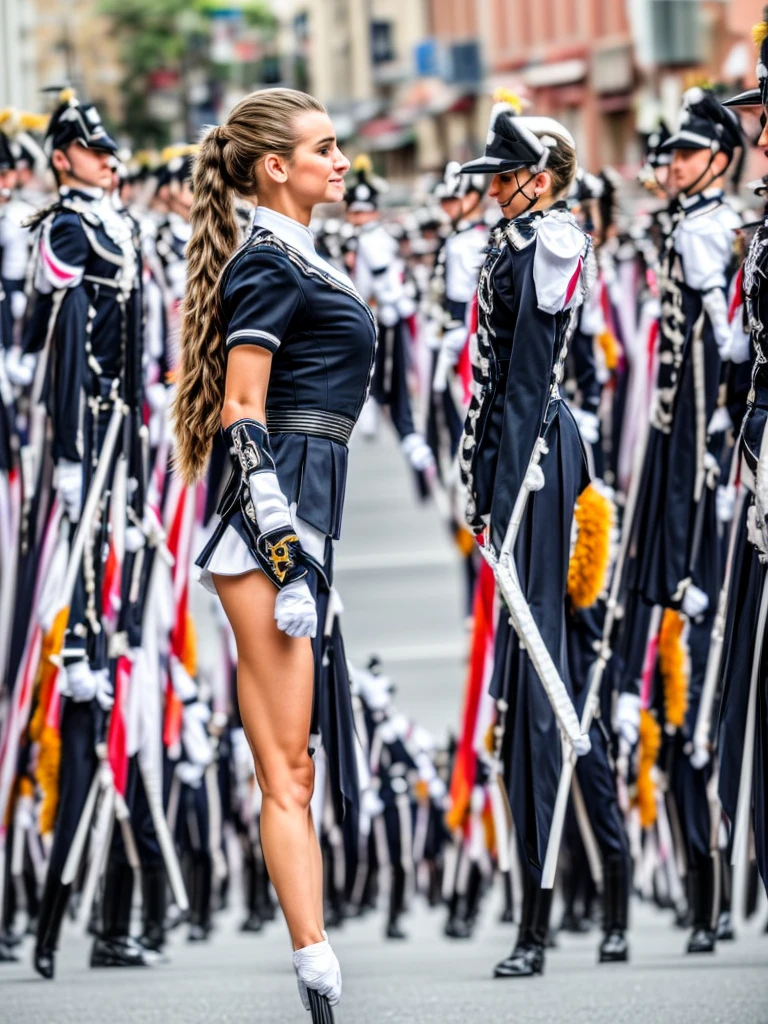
{"points": [[275, 672]]}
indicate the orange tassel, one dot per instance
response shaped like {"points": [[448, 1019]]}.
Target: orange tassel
{"points": [[673, 664], [611, 349], [47, 775], [588, 567], [650, 745]]}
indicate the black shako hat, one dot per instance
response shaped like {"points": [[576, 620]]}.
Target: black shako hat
{"points": [[656, 156], [514, 141], [758, 96], [362, 195], [7, 158], [455, 185], [704, 124], [73, 121]]}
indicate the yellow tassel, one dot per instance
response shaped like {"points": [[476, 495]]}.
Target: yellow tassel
{"points": [[507, 96], [171, 152], [67, 95], [5, 115], [760, 31], [673, 667], [33, 122], [362, 162], [650, 745], [611, 349], [26, 786], [588, 567], [47, 774]]}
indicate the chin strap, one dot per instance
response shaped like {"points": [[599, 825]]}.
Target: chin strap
{"points": [[520, 190], [687, 192]]}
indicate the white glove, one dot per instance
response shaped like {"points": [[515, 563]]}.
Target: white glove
{"points": [[157, 396], [699, 758], [720, 421], [295, 610], [583, 745], [755, 535], [194, 735], [69, 486], [418, 452], [183, 684], [190, 774], [18, 304], [20, 368], [534, 478], [371, 804], [628, 717], [80, 682], [725, 502], [588, 424], [695, 602], [105, 693], [454, 340]]}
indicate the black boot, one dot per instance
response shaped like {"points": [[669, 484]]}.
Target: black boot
{"points": [[52, 909], [527, 958], [396, 903], [508, 913], [252, 922], [153, 889], [115, 947], [614, 948], [725, 932], [701, 886], [200, 911]]}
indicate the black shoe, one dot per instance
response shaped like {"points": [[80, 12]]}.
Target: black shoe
{"points": [[614, 948], [575, 925], [522, 962], [725, 932], [394, 931], [118, 952], [702, 941], [458, 928], [7, 956], [44, 963], [252, 923], [197, 933], [11, 939], [507, 916]]}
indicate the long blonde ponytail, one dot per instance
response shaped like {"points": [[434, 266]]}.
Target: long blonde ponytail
{"points": [[262, 123]]}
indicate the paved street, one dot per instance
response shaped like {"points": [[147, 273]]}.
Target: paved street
{"points": [[403, 598]]}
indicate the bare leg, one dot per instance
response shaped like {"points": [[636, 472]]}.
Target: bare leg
{"points": [[274, 686]]}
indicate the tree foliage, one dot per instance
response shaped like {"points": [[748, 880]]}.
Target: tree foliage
{"points": [[165, 35]]}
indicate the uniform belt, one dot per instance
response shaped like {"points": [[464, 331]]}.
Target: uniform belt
{"points": [[315, 422]]}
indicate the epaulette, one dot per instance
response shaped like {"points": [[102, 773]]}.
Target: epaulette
{"points": [[36, 219]]}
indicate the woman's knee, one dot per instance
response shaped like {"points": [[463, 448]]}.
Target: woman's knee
{"points": [[288, 782]]}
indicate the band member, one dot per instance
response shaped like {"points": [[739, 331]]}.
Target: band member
{"points": [[741, 748], [85, 323], [378, 276], [523, 463], [277, 350]]}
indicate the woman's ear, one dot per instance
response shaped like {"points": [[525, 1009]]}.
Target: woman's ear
{"points": [[542, 183], [275, 168]]}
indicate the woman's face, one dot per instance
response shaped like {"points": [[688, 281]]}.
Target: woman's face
{"points": [[512, 199], [315, 171]]}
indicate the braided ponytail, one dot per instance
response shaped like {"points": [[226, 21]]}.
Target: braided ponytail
{"points": [[262, 123]]}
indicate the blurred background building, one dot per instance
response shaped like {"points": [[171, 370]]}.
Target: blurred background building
{"points": [[410, 81]]}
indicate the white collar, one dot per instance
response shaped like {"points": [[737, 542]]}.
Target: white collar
{"points": [[707, 194], [86, 190], [287, 230], [298, 237]]}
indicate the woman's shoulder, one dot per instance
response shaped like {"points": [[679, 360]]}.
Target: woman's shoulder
{"points": [[261, 263], [561, 263]]}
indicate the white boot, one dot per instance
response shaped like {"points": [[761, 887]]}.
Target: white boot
{"points": [[316, 967]]}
